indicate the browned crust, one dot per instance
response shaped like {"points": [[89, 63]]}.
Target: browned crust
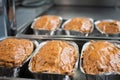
{"points": [[109, 27], [101, 57], [55, 57], [47, 22], [13, 52], [83, 25]]}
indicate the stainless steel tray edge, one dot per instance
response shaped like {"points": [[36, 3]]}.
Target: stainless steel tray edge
{"points": [[64, 37]]}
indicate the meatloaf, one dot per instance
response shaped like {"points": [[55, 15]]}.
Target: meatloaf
{"points": [[13, 51], [57, 57], [47, 22], [83, 25], [109, 27], [101, 57]]}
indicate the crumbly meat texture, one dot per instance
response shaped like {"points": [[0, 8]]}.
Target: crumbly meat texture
{"points": [[55, 57], [101, 57], [13, 52], [47, 22], [109, 27], [83, 25]]}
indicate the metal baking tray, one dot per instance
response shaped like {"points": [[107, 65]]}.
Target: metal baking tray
{"points": [[8, 78], [26, 74], [28, 32], [79, 74], [14, 72]]}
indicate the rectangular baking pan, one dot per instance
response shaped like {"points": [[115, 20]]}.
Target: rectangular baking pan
{"points": [[60, 32], [14, 72], [25, 73]]}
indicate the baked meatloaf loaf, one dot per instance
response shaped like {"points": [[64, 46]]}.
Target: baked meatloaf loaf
{"points": [[100, 57], [13, 52], [57, 57], [47, 22], [83, 25], [109, 27]]}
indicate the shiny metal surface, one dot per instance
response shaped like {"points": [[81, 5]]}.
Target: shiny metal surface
{"points": [[97, 13], [4, 78], [24, 16], [28, 32], [63, 37], [9, 17], [88, 2]]}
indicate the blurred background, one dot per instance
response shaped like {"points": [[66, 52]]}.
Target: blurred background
{"points": [[27, 10]]}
